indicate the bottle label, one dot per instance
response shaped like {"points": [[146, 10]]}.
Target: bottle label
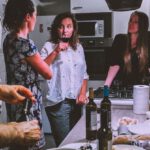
{"points": [[93, 123], [106, 117], [109, 144]]}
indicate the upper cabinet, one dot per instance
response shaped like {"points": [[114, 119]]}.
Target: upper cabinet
{"points": [[87, 6], [52, 7]]}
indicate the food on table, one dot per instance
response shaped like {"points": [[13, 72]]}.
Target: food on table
{"points": [[127, 121]]}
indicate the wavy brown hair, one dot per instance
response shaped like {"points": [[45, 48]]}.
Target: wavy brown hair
{"points": [[142, 44], [56, 24]]}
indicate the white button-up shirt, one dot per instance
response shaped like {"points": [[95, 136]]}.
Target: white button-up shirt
{"points": [[69, 71]]}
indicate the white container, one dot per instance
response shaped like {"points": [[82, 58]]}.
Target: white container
{"points": [[140, 99]]}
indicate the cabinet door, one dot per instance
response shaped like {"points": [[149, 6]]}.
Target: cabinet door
{"points": [[82, 6], [52, 7]]}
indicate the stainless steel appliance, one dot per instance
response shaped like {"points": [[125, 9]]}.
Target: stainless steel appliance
{"points": [[97, 51], [95, 33], [95, 28], [93, 25]]}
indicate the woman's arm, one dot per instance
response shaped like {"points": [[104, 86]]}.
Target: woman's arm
{"points": [[112, 72], [81, 99], [61, 46], [39, 65]]}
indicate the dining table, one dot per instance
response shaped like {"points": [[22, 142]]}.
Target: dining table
{"points": [[119, 109]]}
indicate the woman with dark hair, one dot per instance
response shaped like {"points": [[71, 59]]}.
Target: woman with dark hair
{"points": [[131, 53], [23, 62], [67, 88]]}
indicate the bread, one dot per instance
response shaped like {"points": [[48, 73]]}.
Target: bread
{"points": [[127, 121], [122, 139], [126, 139], [142, 137]]}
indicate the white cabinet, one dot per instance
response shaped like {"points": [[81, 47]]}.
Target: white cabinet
{"points": [[86, 6]]}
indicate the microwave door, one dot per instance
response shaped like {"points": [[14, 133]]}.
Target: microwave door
{"points": [[86, 29]]}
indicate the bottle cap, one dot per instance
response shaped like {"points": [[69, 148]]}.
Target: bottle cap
{"points": [[106, 90]]}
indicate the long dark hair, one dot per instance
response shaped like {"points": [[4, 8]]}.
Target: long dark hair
{"points": [[15, 12], [56, 24], [142, 43]]}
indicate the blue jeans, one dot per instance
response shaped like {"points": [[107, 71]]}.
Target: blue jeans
{"points": [[62, 117]]}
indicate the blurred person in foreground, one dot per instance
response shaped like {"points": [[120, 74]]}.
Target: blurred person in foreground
{"points": [[13, 133], [23, 62]]}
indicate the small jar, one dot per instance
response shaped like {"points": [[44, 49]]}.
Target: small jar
{"points": [[123, 130]]}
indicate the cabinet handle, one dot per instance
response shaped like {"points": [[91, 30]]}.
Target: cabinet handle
{"points": [[77, 7]]}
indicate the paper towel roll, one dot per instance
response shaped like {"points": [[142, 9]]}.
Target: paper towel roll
{"points": [[140, 99]]}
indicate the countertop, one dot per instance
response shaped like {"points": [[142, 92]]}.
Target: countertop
{"points": [[78, 133]]}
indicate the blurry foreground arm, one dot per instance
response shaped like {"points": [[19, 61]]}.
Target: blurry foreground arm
{"points": [[15, 94], [23, 133], [112, 72]]}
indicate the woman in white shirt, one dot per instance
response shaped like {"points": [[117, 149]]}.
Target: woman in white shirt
{"points": [[67, 88]]}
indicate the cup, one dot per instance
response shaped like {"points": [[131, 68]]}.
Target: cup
{"points": [[123, 130]]}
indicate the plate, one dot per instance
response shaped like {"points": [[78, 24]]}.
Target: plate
{"points": [[76, 146], [140, 128], [126, 147]]}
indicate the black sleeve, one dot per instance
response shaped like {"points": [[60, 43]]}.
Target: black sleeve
{"points": [[117, 49]]}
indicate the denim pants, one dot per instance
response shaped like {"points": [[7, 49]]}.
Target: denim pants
{"points": [[62, 117]]}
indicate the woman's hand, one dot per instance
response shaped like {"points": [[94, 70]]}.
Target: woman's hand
{"points": [[15, 94], [29, 132], [81, 99], [62, 46], [21, 134]]}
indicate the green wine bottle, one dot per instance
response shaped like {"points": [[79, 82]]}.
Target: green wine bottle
{"points": [[105, 132], [91, 117]]}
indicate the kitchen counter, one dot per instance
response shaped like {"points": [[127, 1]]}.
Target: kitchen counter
{"points": [[78, 133]]}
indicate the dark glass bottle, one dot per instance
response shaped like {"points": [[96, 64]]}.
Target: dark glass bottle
{"points": [[105, 132], [91, 117]]}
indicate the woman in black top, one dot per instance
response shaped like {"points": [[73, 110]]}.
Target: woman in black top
{"points": [[130, 53]]}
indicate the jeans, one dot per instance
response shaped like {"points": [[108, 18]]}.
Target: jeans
{"points": [[62, 117]]}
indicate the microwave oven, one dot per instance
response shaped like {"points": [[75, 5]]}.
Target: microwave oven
{"points": [[90, 28], [94, 25]]}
